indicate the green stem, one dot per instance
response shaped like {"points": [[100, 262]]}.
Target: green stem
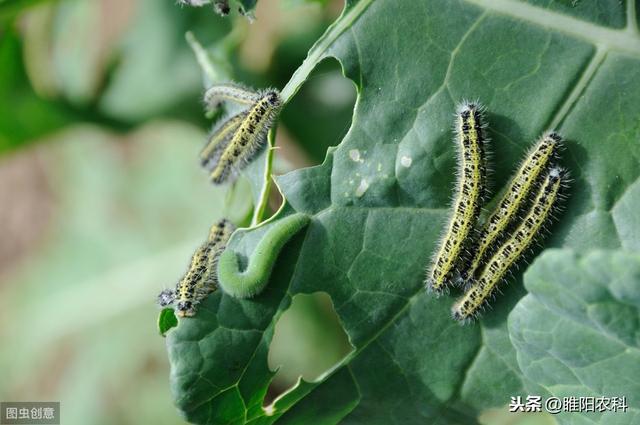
{"points": [[263, 200]]}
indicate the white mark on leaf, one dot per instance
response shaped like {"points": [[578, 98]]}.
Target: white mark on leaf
{"points": [[406, 161], [354, 154], [362, 188]]}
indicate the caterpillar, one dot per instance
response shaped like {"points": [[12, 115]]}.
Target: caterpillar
{"points": [[201, 277], [196, 3], [247, 139], [221, 7], [253, 279], [534, 165], [546, 200], [231, 92], [219, 139], [471, 187]]}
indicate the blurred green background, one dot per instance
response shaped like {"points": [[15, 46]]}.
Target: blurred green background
{"points": [[102, 201]]}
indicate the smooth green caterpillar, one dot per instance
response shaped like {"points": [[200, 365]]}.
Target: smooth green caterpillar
{"points": [[220, 138], [532, 168], [251, 281], [478, 294], [248, 138], [468, 200], [201, 277], [229, 92]]}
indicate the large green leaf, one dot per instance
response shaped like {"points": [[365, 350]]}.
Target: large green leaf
{"points": [[576, 333], [380, 199]]}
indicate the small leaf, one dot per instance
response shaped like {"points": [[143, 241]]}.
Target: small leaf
{"points": [[166, 320]]}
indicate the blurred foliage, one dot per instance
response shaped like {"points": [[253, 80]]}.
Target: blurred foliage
{"points": [[123, 217], [31, 116], [106, 209]]}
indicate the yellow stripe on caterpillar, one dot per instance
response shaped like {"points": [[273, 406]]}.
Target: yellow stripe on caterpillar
{"points": [[534, 166], [249, 137], [468, 199], [478, 293], [219, 139]]}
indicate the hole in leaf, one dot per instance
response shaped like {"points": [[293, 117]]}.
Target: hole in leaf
{"points": [[308, 340], [319, 115]]}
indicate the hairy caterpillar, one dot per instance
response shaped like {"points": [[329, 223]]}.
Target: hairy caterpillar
{"points": [[480, 291], [219, 139], [247, 139], [221, 7], [535, 164], [230, 92], [468, 200], [252, 280], [196, 3], [201, 277]]}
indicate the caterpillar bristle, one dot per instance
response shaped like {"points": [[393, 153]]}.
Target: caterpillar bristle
{"points": [[201, 277], [249, 137], [468, 198], [510, 253], [527, 178]]}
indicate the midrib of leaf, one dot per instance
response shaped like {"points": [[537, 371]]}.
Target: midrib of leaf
{"points": [[588, 73], [626, 40], [604, 39]]}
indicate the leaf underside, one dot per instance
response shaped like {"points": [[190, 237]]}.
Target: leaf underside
{"points": [[380, 200]]}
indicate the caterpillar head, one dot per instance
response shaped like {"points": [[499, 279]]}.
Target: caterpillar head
{"points": [[273, 97], [185, 308]]}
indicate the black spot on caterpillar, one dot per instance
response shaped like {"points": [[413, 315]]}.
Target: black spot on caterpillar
{"points": [[545, 202], [471, 187]]}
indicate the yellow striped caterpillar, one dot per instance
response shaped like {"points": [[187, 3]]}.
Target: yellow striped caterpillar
{"points": [[468, 199], [479, 292], [238, 138], [219, 139], [221, 7], [532, 168], [201, 277]]}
